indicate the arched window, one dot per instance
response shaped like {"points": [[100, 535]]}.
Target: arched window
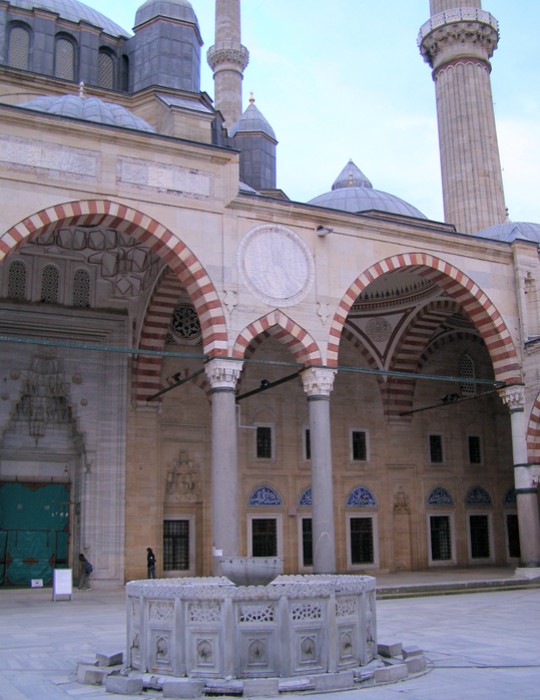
{"points": [[17, 280], [50, 285], [65, 58], [466, 370], [440, 497], [478, 496], [361, 497], [19, 47], [81, 289], [264, 496], [106, 69]]}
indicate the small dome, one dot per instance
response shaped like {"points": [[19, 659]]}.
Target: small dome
{"points": [[74, 11], [90, 109], [253, 121], [173, 9], [354, 193], [511, 231]]}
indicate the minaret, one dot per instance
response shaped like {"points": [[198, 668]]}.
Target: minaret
{"points": [[228, 59], [458, 42]]}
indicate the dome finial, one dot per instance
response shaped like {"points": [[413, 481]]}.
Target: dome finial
{"points": [[81, 90], [251, 98]]}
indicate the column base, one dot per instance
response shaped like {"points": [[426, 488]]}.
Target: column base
{"points": [[528, 571]]}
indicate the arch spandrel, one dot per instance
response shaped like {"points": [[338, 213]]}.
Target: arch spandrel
{"points": [[476, 304]]}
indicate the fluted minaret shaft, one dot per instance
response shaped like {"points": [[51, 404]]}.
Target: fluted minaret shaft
{"points": [[227, 59], [458, 42]]}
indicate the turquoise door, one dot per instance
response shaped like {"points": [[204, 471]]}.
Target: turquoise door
{"points": [[34, 531]]}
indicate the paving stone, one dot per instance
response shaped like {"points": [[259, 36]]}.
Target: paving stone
{"points": [[391, 673], [261, 687], [412, 650], [183, 688], [333, 681], [389, 649], [116, 659], [90, 674], [124, 685], [416, 664], [295, 685]]}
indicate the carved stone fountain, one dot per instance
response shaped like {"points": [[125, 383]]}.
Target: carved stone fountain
{"points": [[211, 628]]}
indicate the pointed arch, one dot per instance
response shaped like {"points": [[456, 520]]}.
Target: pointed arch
{"points": [[459, 287], [277, 324], [159, 239], [533, 432]]}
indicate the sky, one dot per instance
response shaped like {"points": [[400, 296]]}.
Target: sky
{"points": [[345, 79]]}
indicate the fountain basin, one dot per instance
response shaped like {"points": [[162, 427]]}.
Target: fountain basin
{"points": [[250, 571], [212, 629]]}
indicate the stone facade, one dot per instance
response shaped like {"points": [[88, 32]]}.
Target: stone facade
{"points": [[243, 375]]}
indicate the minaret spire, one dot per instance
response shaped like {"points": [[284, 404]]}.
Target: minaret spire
{"points": [[458, 42], [228, 59]]}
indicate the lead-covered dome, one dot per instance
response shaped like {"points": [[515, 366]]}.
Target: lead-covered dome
{"points": [[74, 11], [511, 231], [353, 192], [173, 9], [90, 109]]}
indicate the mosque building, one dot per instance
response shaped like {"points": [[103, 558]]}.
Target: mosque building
{"points": [[191, 361]]}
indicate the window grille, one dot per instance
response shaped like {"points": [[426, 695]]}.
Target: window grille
{"points": [[106, 66], [475, 454], [50, 285], [19, 48], [264, 537], [307, 444], [64, 59], [81, 289], [441, 545], [176, 545], [17, 280], [466, 370], [479, 533], [264, 442], [361, 541], [359, 445], [307, 542], [435, 449]]}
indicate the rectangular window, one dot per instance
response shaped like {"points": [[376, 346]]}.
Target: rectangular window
{"points": [[361, 541], [264, 442], [479, 536], [436, 449], [307, 444], [307, 542], [176, 545], [441, 542], [359, 445], [264, 537], [512, 535], [475, 455]]}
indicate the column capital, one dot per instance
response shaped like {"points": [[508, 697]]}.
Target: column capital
{"points": [[513, 397], [223, 374], [318, 381]]}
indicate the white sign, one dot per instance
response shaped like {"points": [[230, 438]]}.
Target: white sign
{"points": [[62, 583]]}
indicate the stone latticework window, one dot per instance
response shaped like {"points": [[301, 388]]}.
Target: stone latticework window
{"points": [[50, 285], [64, 58], [106, 65], [17, 280], [81, 289], [19, 48], [467, 371]]}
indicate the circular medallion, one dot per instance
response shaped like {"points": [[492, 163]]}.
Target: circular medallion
{"points": [[276, 265], [379, 330]]}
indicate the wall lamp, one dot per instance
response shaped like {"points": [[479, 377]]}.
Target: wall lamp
{"points": [[323, 230]]}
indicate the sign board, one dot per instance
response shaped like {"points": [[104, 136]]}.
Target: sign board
{"points": [[62, 583], [36, 583]]}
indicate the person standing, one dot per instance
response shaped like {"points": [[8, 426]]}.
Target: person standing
{"points": [[150, 563], [85, 569]]}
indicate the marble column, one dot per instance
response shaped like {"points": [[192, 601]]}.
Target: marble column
{"points": [[318, 383], [524, 476], [223, 376]]}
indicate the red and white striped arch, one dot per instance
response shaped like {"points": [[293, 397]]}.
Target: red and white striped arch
{"points": [[157, 237], [533, 432], [277, 324], [459, 287]]}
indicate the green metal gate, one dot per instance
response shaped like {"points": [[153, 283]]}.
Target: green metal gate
{"points": [[34, 531]]}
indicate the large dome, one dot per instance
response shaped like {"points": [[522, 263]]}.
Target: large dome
{"points": [[354, 193], [88, 108], [74, 11], [173, 9], [511, 231]]}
